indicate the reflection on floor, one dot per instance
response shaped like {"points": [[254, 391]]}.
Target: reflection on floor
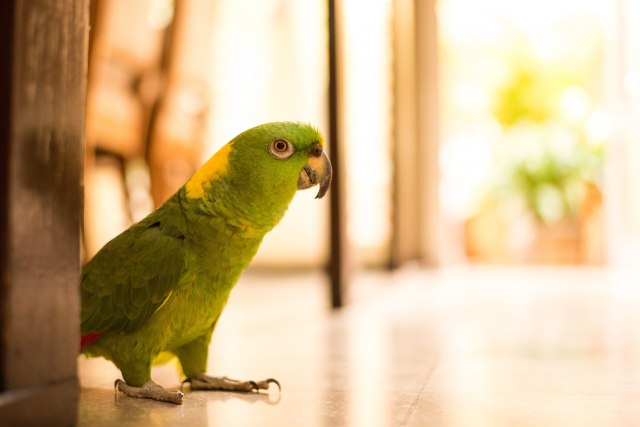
{"points": [[470, 347]]}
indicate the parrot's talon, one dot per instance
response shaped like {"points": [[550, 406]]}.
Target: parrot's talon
{"points": [[150, 390], [206, 382], [274, 381]]}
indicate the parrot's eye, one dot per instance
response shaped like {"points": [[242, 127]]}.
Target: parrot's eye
{"points": [[281, 148]]}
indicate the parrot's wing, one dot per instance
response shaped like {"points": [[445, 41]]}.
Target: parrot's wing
{"points": [[129, 279]]}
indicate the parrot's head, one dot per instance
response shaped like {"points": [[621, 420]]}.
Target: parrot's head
{"points": [[260, 170]]}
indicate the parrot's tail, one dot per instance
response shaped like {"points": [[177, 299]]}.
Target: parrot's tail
{"points": [[87, 339]]}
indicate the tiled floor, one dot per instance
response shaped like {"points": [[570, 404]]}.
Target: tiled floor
{"points": [[466, 347]]}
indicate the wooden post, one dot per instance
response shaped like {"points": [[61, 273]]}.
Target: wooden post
{"points": [[338, 263], [416, 217], [428, 133], [405, 241], [42, 81]]}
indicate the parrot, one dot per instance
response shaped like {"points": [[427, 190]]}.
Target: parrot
{"points": [[161, 285]]}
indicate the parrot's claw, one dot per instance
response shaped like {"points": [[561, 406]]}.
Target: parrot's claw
{"points": [[273, 381], [205, 382], [150, 390]]}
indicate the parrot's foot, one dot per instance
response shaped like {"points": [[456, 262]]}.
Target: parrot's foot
{"points": [[205, 382], [150, 390]]}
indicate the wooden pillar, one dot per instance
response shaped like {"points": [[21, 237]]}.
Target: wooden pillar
{"points": [[416, 214], [339, 255], [42, 82], [428, 133], [405, 242]]}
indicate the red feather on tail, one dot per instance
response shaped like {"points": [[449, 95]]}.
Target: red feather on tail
{"points": [[87, 339]]}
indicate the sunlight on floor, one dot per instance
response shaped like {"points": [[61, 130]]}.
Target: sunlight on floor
{"points": [[465, 347]]}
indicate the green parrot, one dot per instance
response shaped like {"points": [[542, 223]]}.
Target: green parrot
{"points": [[161, 285]]}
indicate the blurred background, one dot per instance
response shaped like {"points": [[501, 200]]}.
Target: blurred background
{"points": [[470, 132], [488, 158]]}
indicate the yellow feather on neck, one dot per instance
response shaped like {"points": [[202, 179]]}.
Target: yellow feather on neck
{"points": [[214, 168]]}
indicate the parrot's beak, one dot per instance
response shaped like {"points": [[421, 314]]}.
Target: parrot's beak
{"points": [[317, 171]]}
